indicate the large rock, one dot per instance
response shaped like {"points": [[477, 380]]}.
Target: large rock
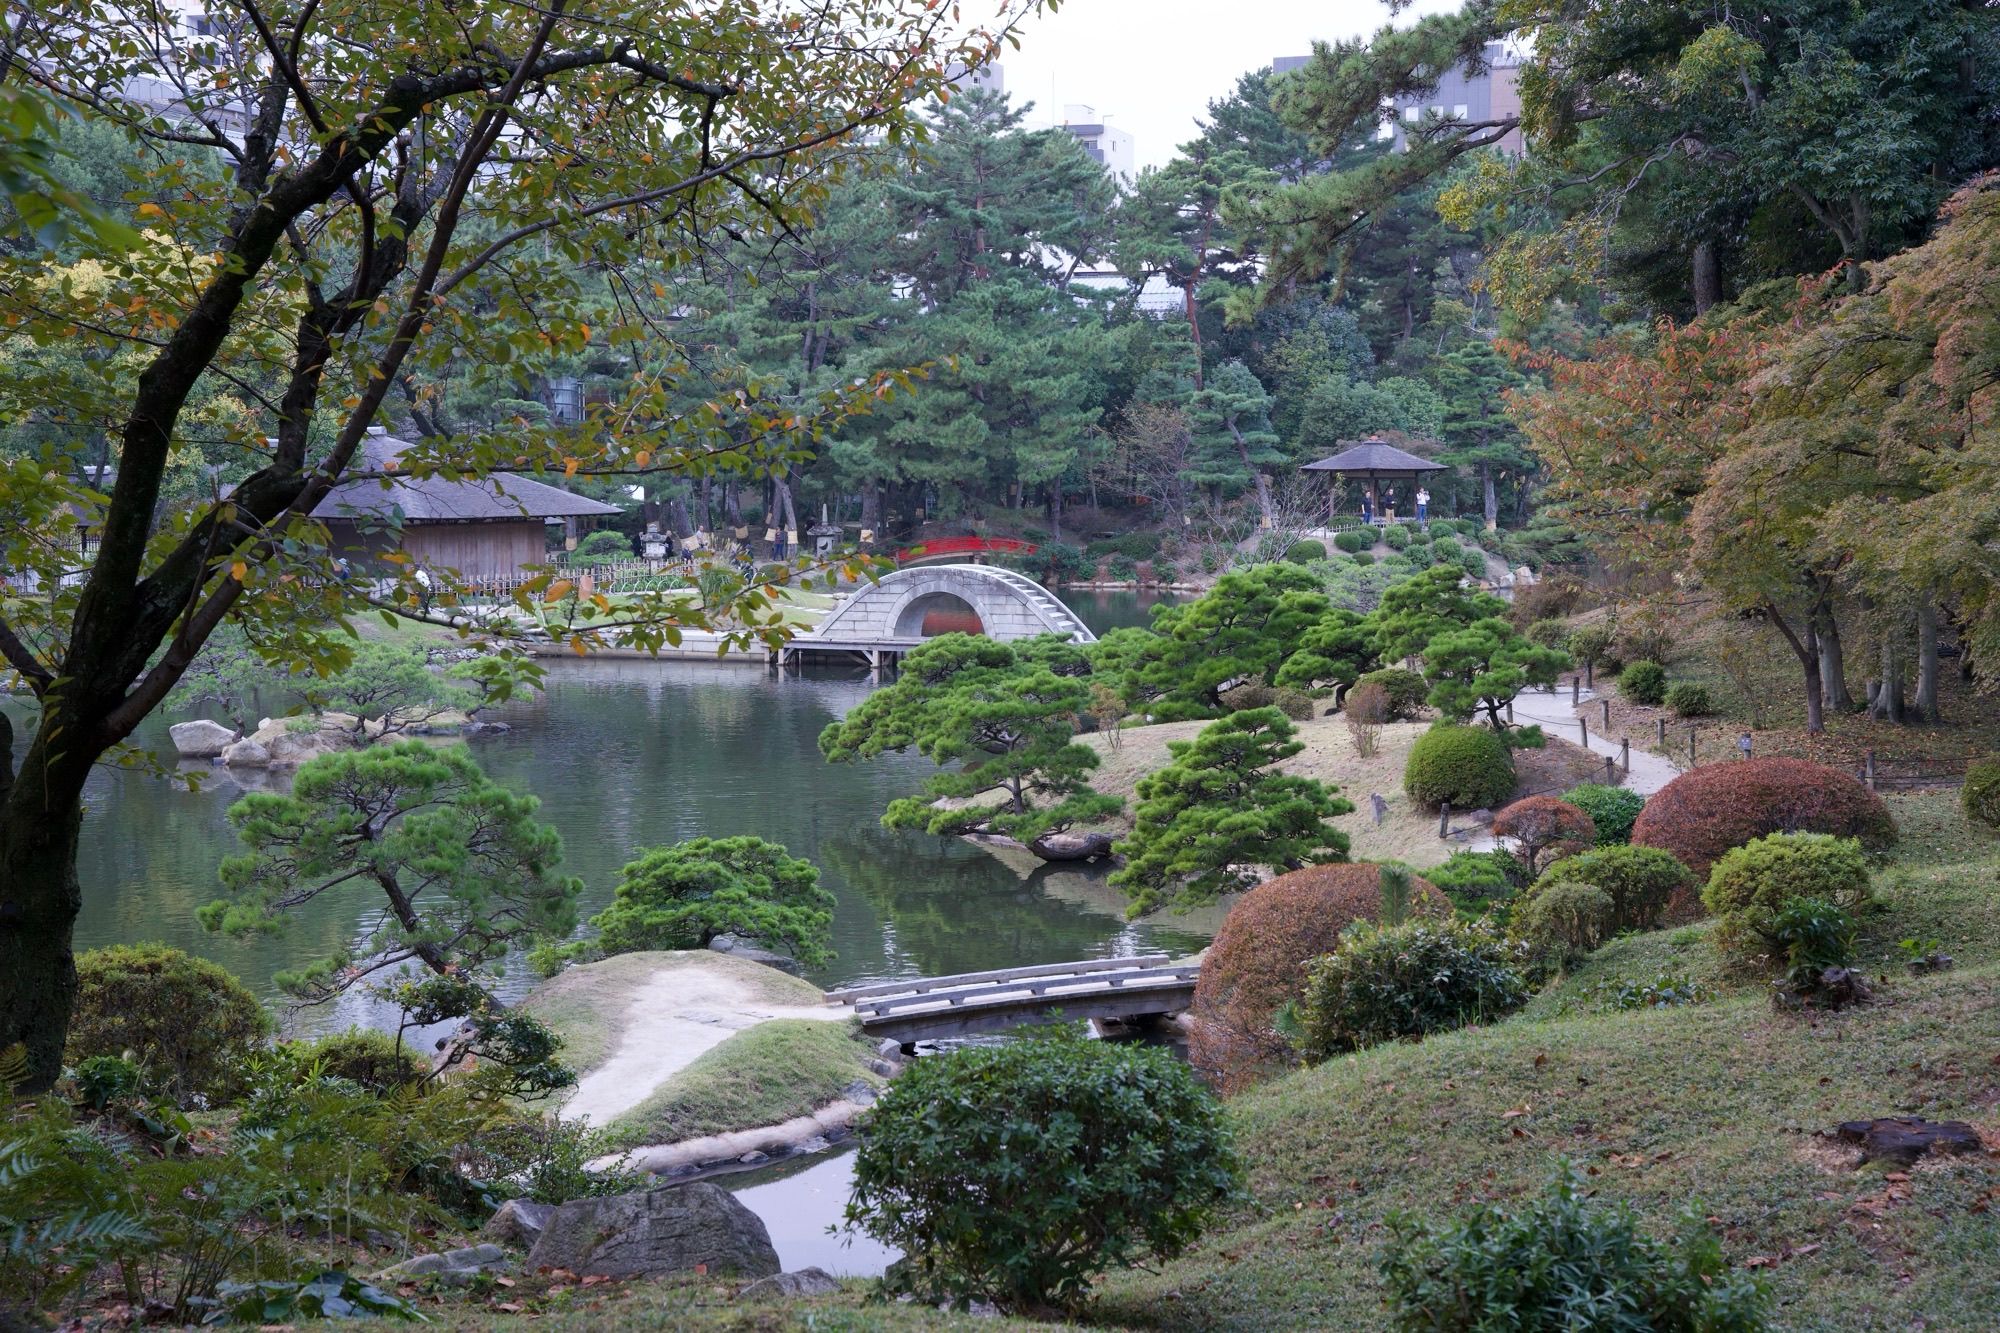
{"points": [[805, 1282], [738, 947], [519, 1223], [200, 739], [246, 753], [676, 1229]]}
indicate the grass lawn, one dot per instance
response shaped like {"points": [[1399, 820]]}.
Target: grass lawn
{"points": [[760, 1076], [1408, 833]]}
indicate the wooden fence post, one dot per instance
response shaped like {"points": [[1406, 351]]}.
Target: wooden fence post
{"points": [[1663, 733], [1605, 704], [1871, 770], [1510, 712], [1583, 731], [1610, 771], [1590, 674], [1625, 755], [1575, 690], [1692, 762], [1444, 820]]}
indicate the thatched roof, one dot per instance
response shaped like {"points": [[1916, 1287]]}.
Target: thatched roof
{"points": [[1375, 457], [498, 497]]}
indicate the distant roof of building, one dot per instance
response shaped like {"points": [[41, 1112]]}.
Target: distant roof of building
{"points": [[1373, 455], [494, 498]]}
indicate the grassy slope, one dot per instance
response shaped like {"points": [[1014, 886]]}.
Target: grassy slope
{"points": [[587, 1005], [1719, 1103], [759, 1076], [1409, 833]]}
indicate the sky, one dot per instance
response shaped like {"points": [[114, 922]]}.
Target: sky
{"points": [[1152, 66]]}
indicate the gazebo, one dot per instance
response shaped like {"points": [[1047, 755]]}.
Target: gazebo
{"points": [[1372, 462]]}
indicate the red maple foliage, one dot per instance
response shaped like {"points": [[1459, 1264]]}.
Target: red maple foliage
{"points": [[1544, 829]]}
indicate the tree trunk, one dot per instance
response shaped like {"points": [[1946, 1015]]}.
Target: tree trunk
{"points": [[1927, 664], [1490, 496], [40, 896], [1888, 701], [871, 510], [1806, 649], [1833, 666], [1706, 278], [1055, 510]]}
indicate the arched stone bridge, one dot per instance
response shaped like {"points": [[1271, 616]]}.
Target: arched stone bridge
{"points": [[893, 610]]}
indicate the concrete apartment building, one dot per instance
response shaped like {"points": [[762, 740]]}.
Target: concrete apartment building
{"points": [[1107, 143]]}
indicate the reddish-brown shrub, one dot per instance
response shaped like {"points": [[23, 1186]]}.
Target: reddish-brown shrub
{"points": [[1259, 957], [1542, 824], [1706, 811]]}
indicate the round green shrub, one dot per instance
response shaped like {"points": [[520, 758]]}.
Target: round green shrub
{"points": [[1406, 691], [1396, 536], [1564, 920], [1565, 1260], [1592, 645], [1688, 699], [1981, 796], [1354, 540], [1444, 548], [1641, 881], [1364, 557], [1549, 633], [1473, 563], [371, 1060], [1611, 809], [188, 1023], [1305, 552], [1406, 981], [1475, 880], [683, 896], [1017, 1173], [1467, 766], [1751, 883], [1643, 682]]}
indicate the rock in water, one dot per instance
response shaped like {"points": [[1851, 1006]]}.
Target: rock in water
{"points": [[805, 1282], [675, 1229], [200, 739], [518, 1222], [1905, 1138], [246, 753]]}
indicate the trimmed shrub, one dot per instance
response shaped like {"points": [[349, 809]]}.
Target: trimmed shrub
{"points": [[1396, 536], [1981, 796], [1565, 1261], [1643, 682], [960, 1158], [1643, 881], [1444, 548], [1467, 766], [372, 1060], [1364, 557], [1611, 810], [1706, 811], [1354, 540], [1689, 699], [1751, 883], [1294, 704], [1564, 920], [1305, 552], [1549, 633], [189, 1024], [1387, 984], [1592, 645], [1406, 690], [1473, 563], [1542, 825], [1257, 963], [1474, 880], [1120, 568]]}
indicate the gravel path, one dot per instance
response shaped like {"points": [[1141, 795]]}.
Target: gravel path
{"points": [[1650, 772]]}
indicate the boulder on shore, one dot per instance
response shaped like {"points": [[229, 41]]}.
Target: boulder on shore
{"points": [[674, 1229], [453, 1268], [246, 753], [519, 1223], [805, 1282], [200, 739], [738, 947]]}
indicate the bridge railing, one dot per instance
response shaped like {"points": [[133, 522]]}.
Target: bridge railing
{"points": [[938, 546]]}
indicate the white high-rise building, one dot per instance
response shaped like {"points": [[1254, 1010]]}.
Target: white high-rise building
{"points": [[1106, 142]]}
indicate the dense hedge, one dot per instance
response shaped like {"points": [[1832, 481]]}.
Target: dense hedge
{"points": [[1981, 797], [1258, 960], [1467, 766], [1706, 811], [1354, 539], [1407, 981], [188, 1023], [1643, 882], [1611, 809], [1406, 690], [1305, 552], [1643, 682], [1752, 883]]}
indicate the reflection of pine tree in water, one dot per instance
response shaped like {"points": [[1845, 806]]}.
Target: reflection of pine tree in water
{"points": [[972, 912]]}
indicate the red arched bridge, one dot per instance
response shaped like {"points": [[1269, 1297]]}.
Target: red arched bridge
{"points": [[940, 548]]}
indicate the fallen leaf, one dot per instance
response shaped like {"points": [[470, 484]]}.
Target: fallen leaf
{"points": [[1760, 1261], [594, 1279]]}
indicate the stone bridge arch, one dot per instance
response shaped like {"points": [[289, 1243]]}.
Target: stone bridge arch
{"points": [[1009, 606]]}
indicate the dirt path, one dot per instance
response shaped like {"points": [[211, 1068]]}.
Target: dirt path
{"points": [[673, 1017], [1650, 772]]}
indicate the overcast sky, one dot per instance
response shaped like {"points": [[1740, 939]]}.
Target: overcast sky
{"points": [[1152, 66]]}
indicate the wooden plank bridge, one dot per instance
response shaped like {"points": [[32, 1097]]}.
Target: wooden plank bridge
{"points": [[928, 1008]]}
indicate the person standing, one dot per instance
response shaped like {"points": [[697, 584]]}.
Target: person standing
{"points": [[1423, 506]]}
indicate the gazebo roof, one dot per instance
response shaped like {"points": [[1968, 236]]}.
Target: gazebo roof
{"points": [[497, 497], [1375, 457]]}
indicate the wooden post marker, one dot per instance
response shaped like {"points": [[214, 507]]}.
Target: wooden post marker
{"points": [[1575, 690], [1605, 705], [1444, 820], [1625, 754], [1583, 732], [1663, 733], [1691, 758], [1871, 770]]}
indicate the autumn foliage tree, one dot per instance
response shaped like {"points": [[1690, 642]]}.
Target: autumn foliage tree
{"points": [[1543, 828]]}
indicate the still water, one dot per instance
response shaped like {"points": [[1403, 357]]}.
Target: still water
{"points": [[632, 754]]}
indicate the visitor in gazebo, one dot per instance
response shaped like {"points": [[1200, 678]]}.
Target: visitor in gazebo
{"points": [[1367, 508], [1423, 506]]}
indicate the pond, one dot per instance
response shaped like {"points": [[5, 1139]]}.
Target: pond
{"points": [[631, 754]]}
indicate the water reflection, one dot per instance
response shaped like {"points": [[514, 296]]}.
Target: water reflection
{"points": [[799, 1204]]}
